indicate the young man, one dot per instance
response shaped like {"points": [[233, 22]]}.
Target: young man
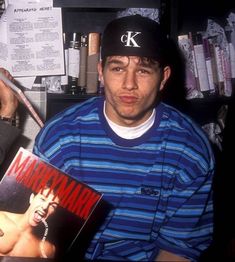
{"points": [[17, 237], [8, 106], [152, 163]]}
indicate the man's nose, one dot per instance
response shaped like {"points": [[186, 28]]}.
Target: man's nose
{"points": [[130, 80], [45, 205]]}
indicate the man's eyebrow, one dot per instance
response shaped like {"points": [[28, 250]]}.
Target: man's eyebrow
{"points": [[115, 61], [147, 64]]}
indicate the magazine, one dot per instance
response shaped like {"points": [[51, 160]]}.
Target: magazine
{"points": [[19, 93], [43, 211]]}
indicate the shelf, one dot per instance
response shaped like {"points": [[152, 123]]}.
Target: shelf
{"points": [[93, 15], [106, 3], [205, 110], [58, 102], [210, 100], [57, 96], [200, 11]]}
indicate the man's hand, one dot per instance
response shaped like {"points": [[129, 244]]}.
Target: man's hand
{"points": [[8, 101], [168, 256]]}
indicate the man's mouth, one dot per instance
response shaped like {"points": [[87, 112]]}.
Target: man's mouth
{"points": [[38, 216], [128, 99]]}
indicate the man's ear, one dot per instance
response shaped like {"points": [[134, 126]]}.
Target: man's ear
{"points": [[31, 198], [166, 76], [100, 72]]}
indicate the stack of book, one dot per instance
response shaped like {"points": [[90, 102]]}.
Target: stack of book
{"points": [[210, 65]]}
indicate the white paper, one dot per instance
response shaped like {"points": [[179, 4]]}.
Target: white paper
{"points": [[26, 82], [30, 128], [3, 42], [34, 39]]}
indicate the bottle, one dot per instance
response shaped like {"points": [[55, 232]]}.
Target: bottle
{"points": [[83, 64], [73, 64], [64, 78]]}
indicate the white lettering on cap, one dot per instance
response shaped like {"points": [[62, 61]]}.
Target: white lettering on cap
{"points": [[129, 40]]}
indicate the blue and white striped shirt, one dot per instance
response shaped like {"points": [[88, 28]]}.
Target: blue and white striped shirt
{"points": [[158, 184]]}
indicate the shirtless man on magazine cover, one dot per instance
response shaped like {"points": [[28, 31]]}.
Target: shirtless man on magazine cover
{"points": [[16, 230]]}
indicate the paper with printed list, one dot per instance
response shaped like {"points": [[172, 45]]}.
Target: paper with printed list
{"points": [[34, 39]]}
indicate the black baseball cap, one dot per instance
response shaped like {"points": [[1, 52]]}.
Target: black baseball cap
{"points": [[134, 35]]}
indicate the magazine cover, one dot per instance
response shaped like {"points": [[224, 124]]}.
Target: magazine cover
{"points": [[42, 209]]}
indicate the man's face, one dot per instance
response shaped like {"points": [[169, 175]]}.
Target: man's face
{"points": [[42, 206], [131, 87]]}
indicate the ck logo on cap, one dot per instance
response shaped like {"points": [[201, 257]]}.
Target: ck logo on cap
{"points": [[129, 39]]}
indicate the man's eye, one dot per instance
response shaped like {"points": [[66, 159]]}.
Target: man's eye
{"points": [[54, 206], [144, 71], [116, 69]]}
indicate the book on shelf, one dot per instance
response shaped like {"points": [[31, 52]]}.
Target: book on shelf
{"points": [[93, 57], [210, 67], [217, 35], [200, 62], [229, 32], [209, 62], [43, 211], [83, 63], [191, 74], [213, 64]]}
